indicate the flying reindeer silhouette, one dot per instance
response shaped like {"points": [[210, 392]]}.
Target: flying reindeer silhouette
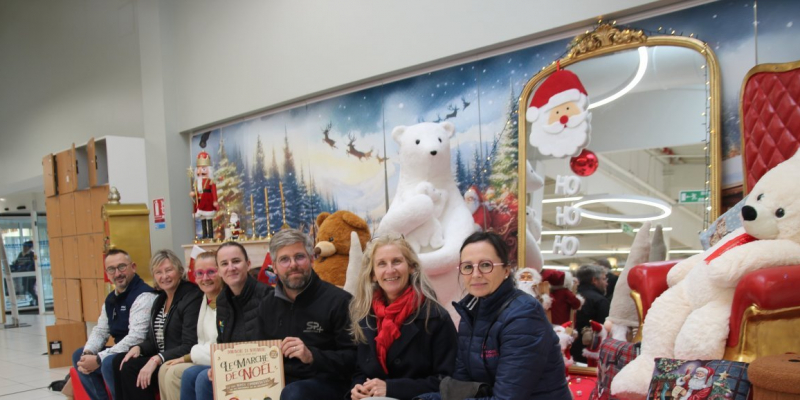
{"points": [[325, 131], [380, 159], [454, 112], [466, 104], [438, 119], [351, 149]]}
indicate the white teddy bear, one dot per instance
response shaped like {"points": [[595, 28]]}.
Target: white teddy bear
{"points": [[690, 320], [427, 195]]}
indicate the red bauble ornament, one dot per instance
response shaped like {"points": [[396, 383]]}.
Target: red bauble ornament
{"points": [[585, 163]]}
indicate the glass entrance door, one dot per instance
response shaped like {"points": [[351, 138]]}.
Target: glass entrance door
{"points": [[24, 261]]}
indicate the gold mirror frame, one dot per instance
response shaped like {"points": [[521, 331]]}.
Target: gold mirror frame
{"points": [[607, 39]]}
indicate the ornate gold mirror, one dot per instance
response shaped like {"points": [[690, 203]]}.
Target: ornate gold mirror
{"points": [[655, 118]]}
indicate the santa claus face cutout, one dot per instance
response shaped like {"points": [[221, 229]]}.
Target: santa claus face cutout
{"points": [[559, 116]]}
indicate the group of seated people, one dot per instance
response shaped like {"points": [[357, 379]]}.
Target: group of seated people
{"points": [[392, 339]]}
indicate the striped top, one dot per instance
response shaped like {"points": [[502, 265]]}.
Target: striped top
{"points": [[158, 324]]}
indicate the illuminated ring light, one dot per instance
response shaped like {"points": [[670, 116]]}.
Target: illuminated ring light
{"points": [[635, 81], [664, 209]]}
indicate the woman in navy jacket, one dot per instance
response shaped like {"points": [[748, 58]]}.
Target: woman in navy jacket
{"points": [[504, 338], [406, 340]]}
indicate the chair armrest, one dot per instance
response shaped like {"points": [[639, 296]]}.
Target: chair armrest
{"points": [[768, 289], [649, 280]]}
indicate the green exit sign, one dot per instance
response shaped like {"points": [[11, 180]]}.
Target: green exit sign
{"points": [[693, 196]]}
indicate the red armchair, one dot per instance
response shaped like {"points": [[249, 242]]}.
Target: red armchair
{"points": [[766, 306]]}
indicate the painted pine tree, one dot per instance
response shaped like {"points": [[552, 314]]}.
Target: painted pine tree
{"points": [[291, 192], [258, 180], [504, 161], [273, 184], [306, 217], [229, 192], [462, 176]]}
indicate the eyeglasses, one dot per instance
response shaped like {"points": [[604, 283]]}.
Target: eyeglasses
{"points": [[299, 258], [485, 266], [209, 273], [119, 268]]}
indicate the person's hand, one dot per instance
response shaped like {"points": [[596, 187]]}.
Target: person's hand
{"points": [[175, 361], [87, 364], [191, 194], [134, 352], [143, 380], [210, 377], [358, 392], [375, 387], [293, 347]]}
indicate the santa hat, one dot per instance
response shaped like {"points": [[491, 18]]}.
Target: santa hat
{"points": [[707, 370], [561, 87], [474, 193], [555, 277], [196, 251], [203, 159]]}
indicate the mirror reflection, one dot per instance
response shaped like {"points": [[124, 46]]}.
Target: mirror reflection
{"points": [[649, 130]]}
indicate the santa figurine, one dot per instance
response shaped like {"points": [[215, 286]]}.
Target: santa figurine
{"points": [[528, 280], [205, 195], [564, 300], [233, 227], [559, 116], [480, 213], [694, 386], [566, 336], [592, 337]]}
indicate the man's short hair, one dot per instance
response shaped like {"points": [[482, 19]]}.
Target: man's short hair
{"points": [[287, 237], [28, 244], [113, 252], [588, 272], [603, 263]]}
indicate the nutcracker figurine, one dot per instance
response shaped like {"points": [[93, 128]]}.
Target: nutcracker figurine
{"points": [[205, 195]]}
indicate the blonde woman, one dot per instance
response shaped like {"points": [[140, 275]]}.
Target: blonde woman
{"points": [[172, 332], [406, 340], [198, 359]]}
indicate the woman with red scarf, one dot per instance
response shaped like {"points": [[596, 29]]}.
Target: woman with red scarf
{"points": [[406, 340]]}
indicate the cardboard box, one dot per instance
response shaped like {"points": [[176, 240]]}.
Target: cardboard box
{"points": [[62, 340]]}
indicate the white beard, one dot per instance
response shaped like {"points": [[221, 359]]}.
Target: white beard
{"points": [[697, 383], [558, 140], [472, 205], [527, 287]]}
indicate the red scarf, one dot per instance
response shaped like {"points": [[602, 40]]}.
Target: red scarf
{"points": [[390, 318]]}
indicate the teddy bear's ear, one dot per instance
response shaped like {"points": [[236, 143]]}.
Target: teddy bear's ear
{"points": [[397, 132], [449, 127], [321, 217], [354, 220]]}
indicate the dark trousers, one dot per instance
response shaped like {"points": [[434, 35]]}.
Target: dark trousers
{"points": [[314, 388], [125, 380], [95, 382]]}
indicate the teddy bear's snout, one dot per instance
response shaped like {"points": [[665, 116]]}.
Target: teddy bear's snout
{"points": [[433, 153], [749, 213], [324, 249]]}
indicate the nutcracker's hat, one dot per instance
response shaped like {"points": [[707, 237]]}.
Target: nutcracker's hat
{"points": [[203, 159]]}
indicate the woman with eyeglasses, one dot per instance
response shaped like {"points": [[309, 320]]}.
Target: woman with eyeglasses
{"points": [[237, 314], [170, 374], [406, 340], [504, 338], [172, 333]]}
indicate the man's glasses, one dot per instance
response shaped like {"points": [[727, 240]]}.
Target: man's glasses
{"points": [[299, 258], [119, 268], [485, 266], [211, 274]]}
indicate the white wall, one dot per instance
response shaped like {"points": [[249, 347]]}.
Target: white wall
{"points": [[73, 69]]}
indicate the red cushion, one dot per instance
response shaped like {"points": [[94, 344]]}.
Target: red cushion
{"points": [[78, 392], [770, 121], [650, 280], [768, 289]]}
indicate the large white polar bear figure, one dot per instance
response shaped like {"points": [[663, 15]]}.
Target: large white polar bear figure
{"points": [[427, 204], [690, 320]]}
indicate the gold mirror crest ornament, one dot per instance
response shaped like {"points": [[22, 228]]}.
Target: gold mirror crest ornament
{"points": [[605, 35]]}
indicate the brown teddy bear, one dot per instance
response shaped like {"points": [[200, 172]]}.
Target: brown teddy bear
{"points": [[333, 244]]}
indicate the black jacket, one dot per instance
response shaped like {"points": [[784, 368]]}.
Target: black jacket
{"points": [[417, 361], [319, 317], [595, 309], [250, 299], [180, 328], [516, 351]]}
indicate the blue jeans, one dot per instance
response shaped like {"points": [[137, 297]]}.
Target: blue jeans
{"points": [[314, 388], [190, 383], [95, 382]]}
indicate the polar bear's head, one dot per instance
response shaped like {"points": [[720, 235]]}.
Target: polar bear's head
{"points": [[425, 149], [772, 209]]}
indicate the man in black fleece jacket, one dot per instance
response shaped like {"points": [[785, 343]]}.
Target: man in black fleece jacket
{"points": [[311, 317]]}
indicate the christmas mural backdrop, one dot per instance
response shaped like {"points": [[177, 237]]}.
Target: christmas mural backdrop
{"points": [[339, 154]]}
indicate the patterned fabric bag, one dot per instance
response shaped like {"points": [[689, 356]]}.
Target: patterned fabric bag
{"points": [[698, 380], [614, 354]]}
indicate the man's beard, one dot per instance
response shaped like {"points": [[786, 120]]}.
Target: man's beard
{"points": [[697, 383], [298, 283], [558, 140]]}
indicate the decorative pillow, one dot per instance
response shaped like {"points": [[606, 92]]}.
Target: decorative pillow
{"points": [[614, 354], [725, 224], [698, 379]]}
